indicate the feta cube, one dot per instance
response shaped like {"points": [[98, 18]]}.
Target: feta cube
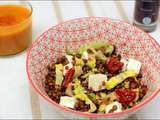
{"points": [[96, 82], [134, 65], [117, 105], [125, 63], [85, 55], [67, 101]]}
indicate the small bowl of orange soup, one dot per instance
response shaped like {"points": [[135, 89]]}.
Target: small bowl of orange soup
{"points": [[15, 27]]}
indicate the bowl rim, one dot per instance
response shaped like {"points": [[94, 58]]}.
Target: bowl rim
{"points": [[65, 109]]}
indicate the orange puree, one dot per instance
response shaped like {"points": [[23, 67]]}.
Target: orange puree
{"points": [[15, 29]]}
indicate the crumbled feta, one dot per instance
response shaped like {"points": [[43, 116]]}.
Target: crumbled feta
{"points": [[125, 63], [134, 65], [69, 58], [117, 105], [85, 55], [67, 101], [66, 68], [69, 65], [96, 82]]}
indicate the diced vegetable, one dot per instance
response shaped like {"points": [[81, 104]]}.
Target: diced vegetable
{"points": [[78, 71], [114, 81], [108, 97], [78, 89], [126, 84], [109, 49], [97, 82], [85, 55], [79, 62], [91, 95], [87, 74], [59, 67], [69, 77], [102, 108], [70, 52], [79, 94], [105, 100], [59, 74], [103, 95], [99, 55], [91, 62], [97, 44], [94, 70], [67, 101], [94, 44]]}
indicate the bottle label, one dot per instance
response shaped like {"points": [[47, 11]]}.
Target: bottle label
{"points": [[146, 20]]}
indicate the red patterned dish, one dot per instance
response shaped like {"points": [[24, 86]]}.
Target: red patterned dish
{"points": [[131, 42]]}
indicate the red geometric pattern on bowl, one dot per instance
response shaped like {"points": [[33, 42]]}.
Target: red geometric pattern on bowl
{"points": [[130, 41]]}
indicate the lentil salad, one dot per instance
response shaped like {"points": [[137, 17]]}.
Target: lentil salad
{"points": [[95, 79]]}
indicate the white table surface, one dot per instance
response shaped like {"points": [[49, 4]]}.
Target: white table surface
{"points": [[18, 100]]}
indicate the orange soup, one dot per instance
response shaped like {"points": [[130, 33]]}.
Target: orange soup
{"points": [[15, 28]]}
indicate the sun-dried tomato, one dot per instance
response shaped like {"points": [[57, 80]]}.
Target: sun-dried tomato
{"points": [[114, 65], [69, 77], [125, 96]]}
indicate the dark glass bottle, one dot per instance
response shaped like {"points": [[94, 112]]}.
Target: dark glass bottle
{"points": [[146, 14]]}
